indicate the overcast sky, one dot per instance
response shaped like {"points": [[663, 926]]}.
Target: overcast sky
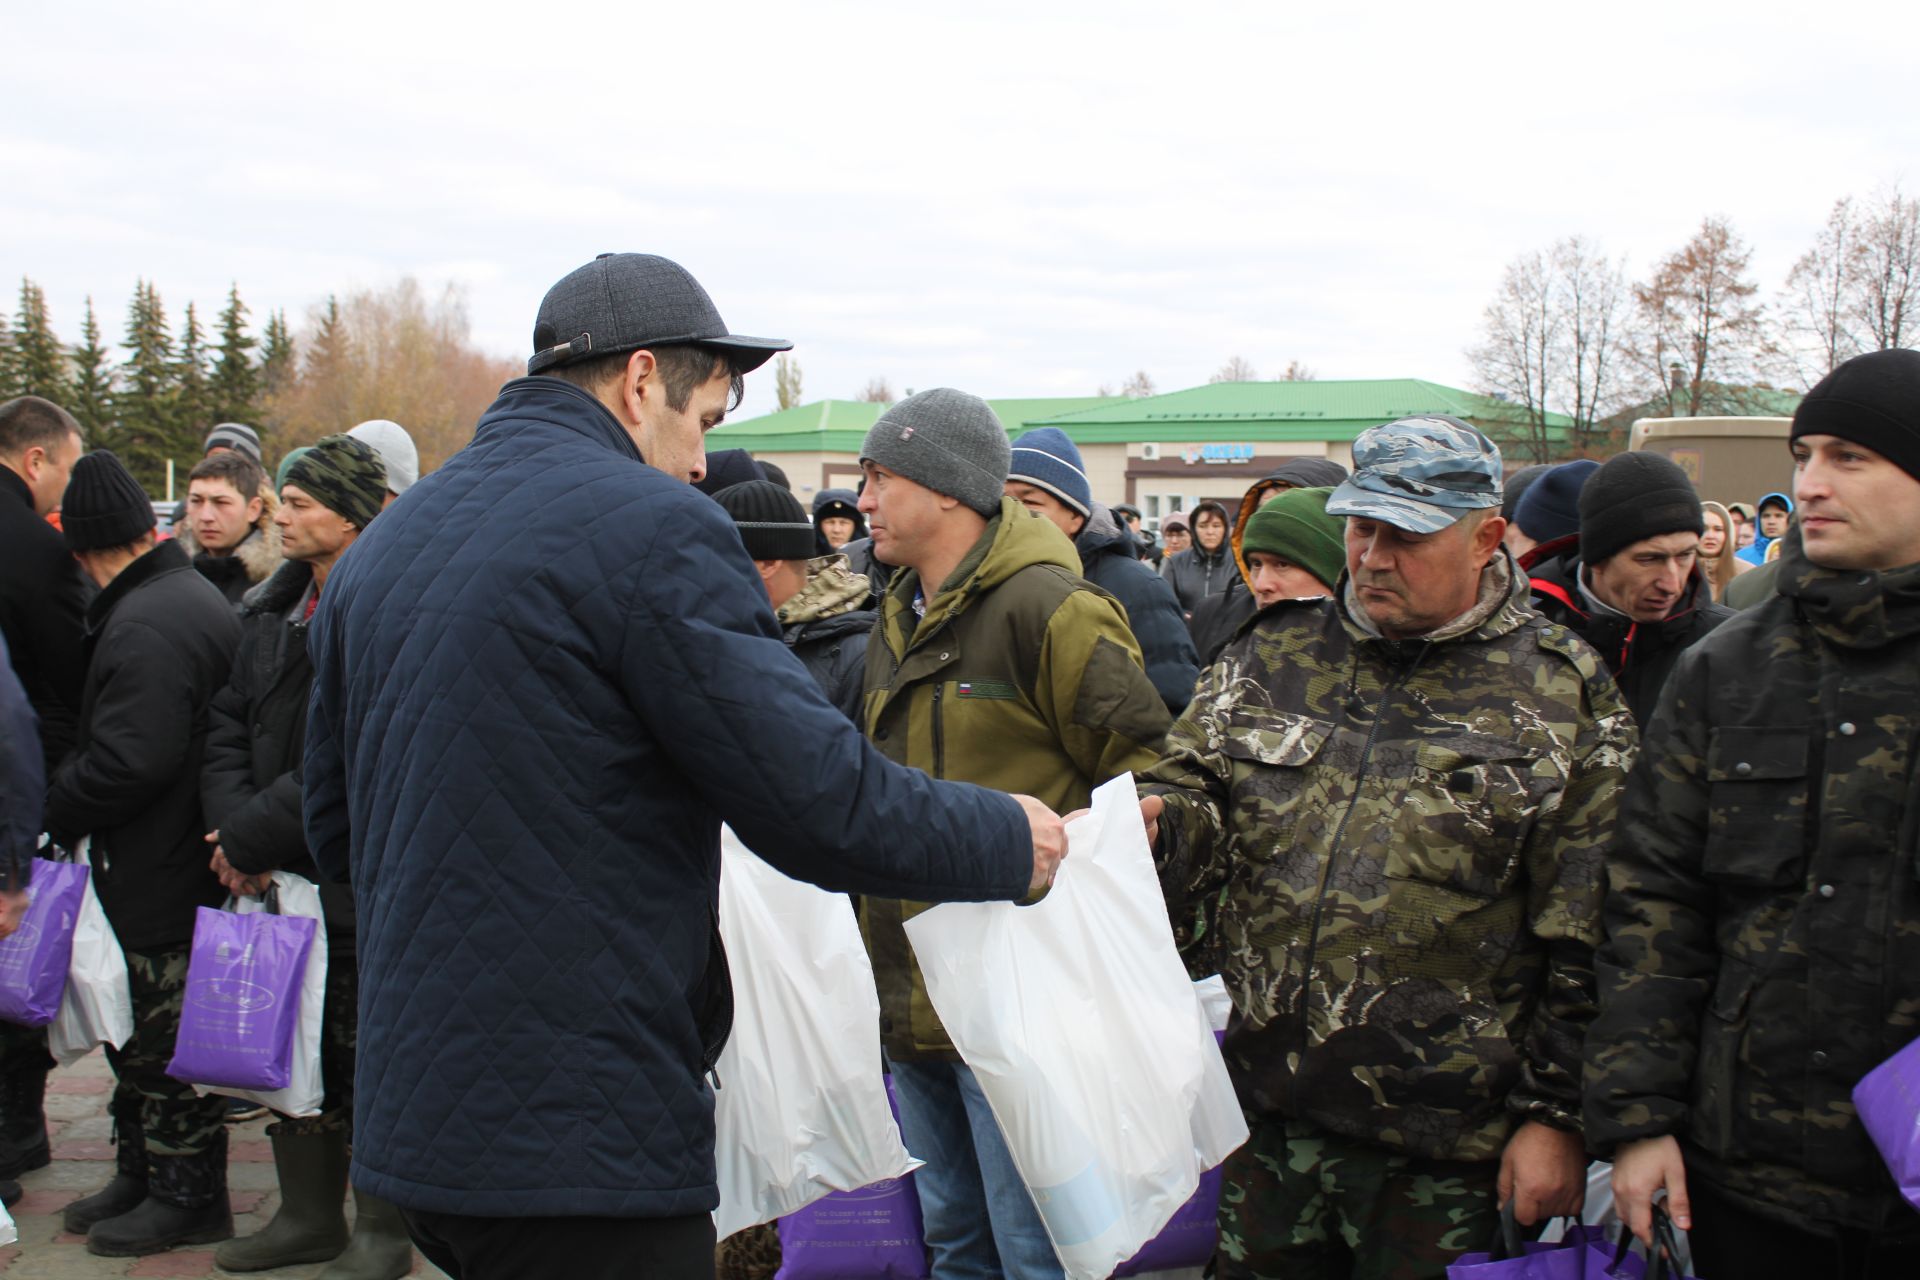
{"points": [[1017, 199]]}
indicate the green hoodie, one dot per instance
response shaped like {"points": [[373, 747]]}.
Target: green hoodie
{"points": [[1021, 676]]}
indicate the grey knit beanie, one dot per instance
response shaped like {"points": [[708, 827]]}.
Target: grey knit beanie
{"points": [[947, 440]]}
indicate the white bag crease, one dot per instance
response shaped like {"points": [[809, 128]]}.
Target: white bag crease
{"points": [[1089, 1039]]}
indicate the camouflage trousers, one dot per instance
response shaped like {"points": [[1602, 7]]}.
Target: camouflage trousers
{"points": [[1298, 1203], [339, 1034], [176, 1121]]}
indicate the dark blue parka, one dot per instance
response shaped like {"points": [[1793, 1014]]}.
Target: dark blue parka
{"points": [[1109, 560], [542, 678]]}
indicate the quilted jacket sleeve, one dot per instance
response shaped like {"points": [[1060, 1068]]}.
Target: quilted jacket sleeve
{"points": [[706, 670]]}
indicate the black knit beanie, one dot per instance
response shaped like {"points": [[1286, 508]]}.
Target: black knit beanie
{"points": [[1872, 400], [105, 506], [772, 523], [1635, 496]]}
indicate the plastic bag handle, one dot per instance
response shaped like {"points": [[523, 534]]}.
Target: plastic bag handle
{"points": [[1507, 1243], [1664, 1252]]}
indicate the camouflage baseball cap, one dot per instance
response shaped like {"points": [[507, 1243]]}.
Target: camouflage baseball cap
{"points": [[1420, 474]]}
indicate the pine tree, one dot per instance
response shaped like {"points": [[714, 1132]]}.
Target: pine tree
{"points": [[92, 397], [277, 366], [39, 361], [144, 403], [193, 401], [8, 387], [236, 380]]}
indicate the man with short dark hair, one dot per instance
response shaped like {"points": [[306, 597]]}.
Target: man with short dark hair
{"points": [[229, 530], [523, 738], [159, 642], [1046, 476], [43, 602], [1404, 791], [1628, 579], [250, 790], [1763, 903]]}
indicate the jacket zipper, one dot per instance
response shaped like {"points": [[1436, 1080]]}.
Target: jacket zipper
{"points": [[939, 732], [1326, 874]]}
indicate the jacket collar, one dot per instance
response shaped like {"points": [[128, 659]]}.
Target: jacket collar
{"points": [[11, 483], [562, 404], [279, 592], [1504, 603], [167, 556], [1850, 608]]}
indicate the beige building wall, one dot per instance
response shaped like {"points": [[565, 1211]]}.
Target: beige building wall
{"points": [[811, 471]]}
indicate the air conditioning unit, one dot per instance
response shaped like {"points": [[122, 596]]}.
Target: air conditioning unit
{"points": [[1149, 453]]}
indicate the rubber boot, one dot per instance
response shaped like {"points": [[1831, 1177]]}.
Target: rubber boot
{"points": [[23, 1119], [186, 1204], [381, 1248], [311, 1223], [11, 1194], [129, 1185]]}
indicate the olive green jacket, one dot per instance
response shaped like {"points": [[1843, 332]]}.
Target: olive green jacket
{"points": [[1409, 835], [1021, 676]]}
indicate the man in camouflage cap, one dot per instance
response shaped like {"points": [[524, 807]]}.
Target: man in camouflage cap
{"points": [[1404, 790], [1763, 902]]}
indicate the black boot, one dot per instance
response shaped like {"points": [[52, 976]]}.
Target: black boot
{"points": [[23, 1118], [186, 1204], [11, 1194], [311, 1223], [129, 1185], [381, 1248]]}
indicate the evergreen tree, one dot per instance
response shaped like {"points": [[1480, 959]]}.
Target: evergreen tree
{"points": [[92, 397], [144, 434], [276, 356], [327, 349], [193, 381], [39, 361], [8, 388], [236, 380]]}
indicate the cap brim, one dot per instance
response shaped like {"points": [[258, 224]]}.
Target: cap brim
{"points": [[753, 352], [1402, 513]]}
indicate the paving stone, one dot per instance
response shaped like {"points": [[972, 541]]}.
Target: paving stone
{"points": [[63, 1083], [97, 1149], [178, 1262]]}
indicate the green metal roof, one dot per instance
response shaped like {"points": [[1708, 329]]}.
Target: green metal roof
{"points": [[840, 426], [1278, 411]]}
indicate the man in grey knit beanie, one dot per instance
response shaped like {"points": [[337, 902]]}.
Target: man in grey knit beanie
{"points": [[993, 663], [947, 440]]}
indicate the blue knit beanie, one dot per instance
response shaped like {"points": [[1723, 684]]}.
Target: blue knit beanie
{"points": [[1550, 508], [1046, 459]]}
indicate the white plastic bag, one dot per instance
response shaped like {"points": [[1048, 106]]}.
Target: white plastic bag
{"points": [[1089, 1040], [98, 1005], [802, 1107], [298, 896]]}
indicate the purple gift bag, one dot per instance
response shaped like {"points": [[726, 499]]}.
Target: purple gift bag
{"points": [[1888, 1099], [34, 961], [873, 1233], [1584, 1253], [1189, 1237], [242, 999]]}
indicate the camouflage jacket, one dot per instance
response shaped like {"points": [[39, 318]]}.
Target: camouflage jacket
{"points": [[1763, 912], [1409, 834]]}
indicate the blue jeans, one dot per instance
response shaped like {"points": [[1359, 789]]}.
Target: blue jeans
{"points": [[980, 1221]]}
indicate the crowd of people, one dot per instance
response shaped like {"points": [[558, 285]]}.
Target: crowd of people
{"points": [[1520, 839]]}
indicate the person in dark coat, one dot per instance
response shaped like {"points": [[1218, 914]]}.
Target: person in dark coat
{"points": [[523, 738], [820, 603], [160, 639], [1219, 618], [1549, 510], [1205, 568], [250, 790], [726, 468], [43, 601], [1629, 582], [836, 520], [1047, 476], [229, 529]]}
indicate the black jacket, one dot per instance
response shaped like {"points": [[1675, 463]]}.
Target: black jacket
{"points": [[1195, 574], [1219, 619], [43, 605], [834, 652], [1110, 560], [1640, 655], [256, 730], [23, 780], [160, 639]]}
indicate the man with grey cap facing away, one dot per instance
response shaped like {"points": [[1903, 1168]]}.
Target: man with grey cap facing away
{"points": [[523, 737], [994, 663], [397, 452], [1396, 800]]}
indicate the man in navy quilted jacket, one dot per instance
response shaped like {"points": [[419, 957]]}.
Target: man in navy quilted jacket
{"points": [[524, 735]]}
